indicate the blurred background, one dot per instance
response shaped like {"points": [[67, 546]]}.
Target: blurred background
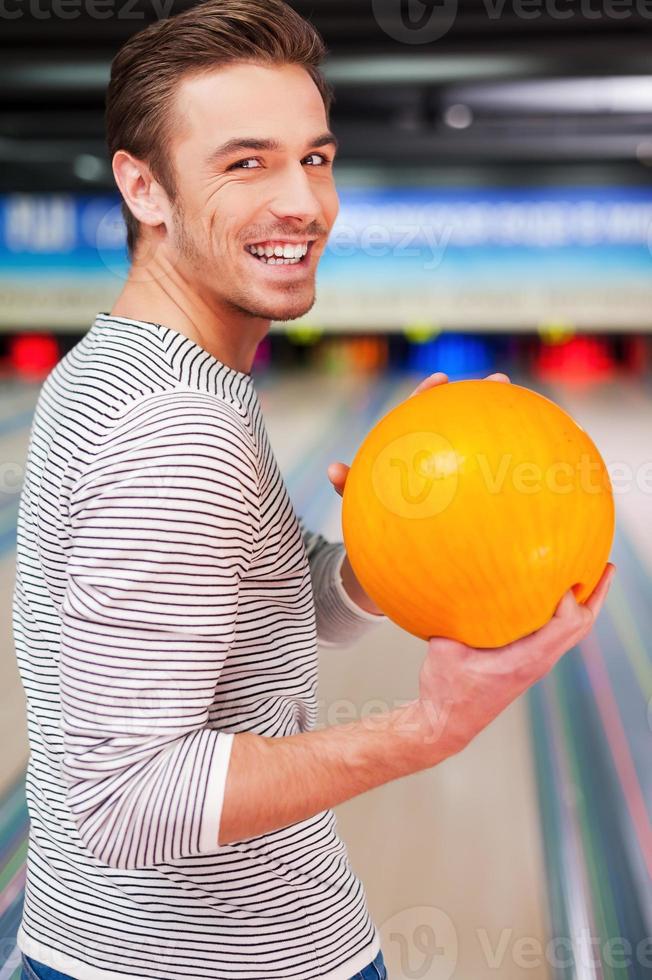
{"points": [[496, 214]]}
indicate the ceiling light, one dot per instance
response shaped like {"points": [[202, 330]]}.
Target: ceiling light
{"points": [[458, 116]]}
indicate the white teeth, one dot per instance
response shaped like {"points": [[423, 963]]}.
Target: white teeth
{"points": [[281, 251], [279, 254]]}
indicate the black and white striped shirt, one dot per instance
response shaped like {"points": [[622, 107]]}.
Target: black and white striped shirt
{"points": [[167, 596]]}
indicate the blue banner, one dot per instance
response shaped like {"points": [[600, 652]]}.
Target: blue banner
{"points": [[396, 257]]}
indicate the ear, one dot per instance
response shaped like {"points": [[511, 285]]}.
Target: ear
{"points": [[143, 195]]}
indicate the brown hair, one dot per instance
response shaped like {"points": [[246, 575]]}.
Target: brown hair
{"points": [[147, 69]]}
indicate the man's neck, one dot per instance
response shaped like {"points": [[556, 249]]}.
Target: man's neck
{"points": [[233, 339]]}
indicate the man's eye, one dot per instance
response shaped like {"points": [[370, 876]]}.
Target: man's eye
{"points": [[321, 156], [240, 164]]}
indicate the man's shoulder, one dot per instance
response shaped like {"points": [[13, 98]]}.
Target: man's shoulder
{"points": [[178, 422], [180, 403]]}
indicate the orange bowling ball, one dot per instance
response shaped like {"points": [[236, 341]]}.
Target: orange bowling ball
{"points": [[472, 507]]}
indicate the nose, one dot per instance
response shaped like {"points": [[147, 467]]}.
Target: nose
{"points": [[295, 196]]}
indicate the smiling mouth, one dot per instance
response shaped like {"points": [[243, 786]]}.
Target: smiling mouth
{"points": [[287, 255]]}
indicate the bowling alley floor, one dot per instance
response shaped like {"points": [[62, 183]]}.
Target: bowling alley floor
{"points": [[529, 851]]}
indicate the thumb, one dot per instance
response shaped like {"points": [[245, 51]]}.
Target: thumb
{"points": [[337, 474]]}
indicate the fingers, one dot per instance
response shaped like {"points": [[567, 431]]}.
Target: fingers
{"points": [[599, 594], [573, 620], [532, 656], [438, 378], [566, 606], [569, 624], [337, 474]]}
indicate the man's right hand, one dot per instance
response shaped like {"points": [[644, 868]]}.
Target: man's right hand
{"points": [[274, 782], [462, 689]]}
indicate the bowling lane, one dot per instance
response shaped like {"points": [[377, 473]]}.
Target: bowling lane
{"points": [[592, 716]]}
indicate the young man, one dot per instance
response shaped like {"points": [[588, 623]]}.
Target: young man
{"points": [[168, 600]]}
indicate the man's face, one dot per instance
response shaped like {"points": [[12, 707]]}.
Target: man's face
{"points": [[262, 197]]}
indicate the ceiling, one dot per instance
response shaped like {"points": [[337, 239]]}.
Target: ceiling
{"points": [[501, 90]]}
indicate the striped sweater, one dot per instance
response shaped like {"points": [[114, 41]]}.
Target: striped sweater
{"points": [[167, 596]]}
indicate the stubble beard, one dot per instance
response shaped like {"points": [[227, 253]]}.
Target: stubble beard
{"points": [[286, 307]]}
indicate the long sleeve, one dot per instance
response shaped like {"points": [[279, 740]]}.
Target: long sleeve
{"points": [[163, 604], [340, 620], [164, 521]]}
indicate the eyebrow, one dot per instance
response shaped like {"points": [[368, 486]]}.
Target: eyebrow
{"points": [[236, 145]]}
